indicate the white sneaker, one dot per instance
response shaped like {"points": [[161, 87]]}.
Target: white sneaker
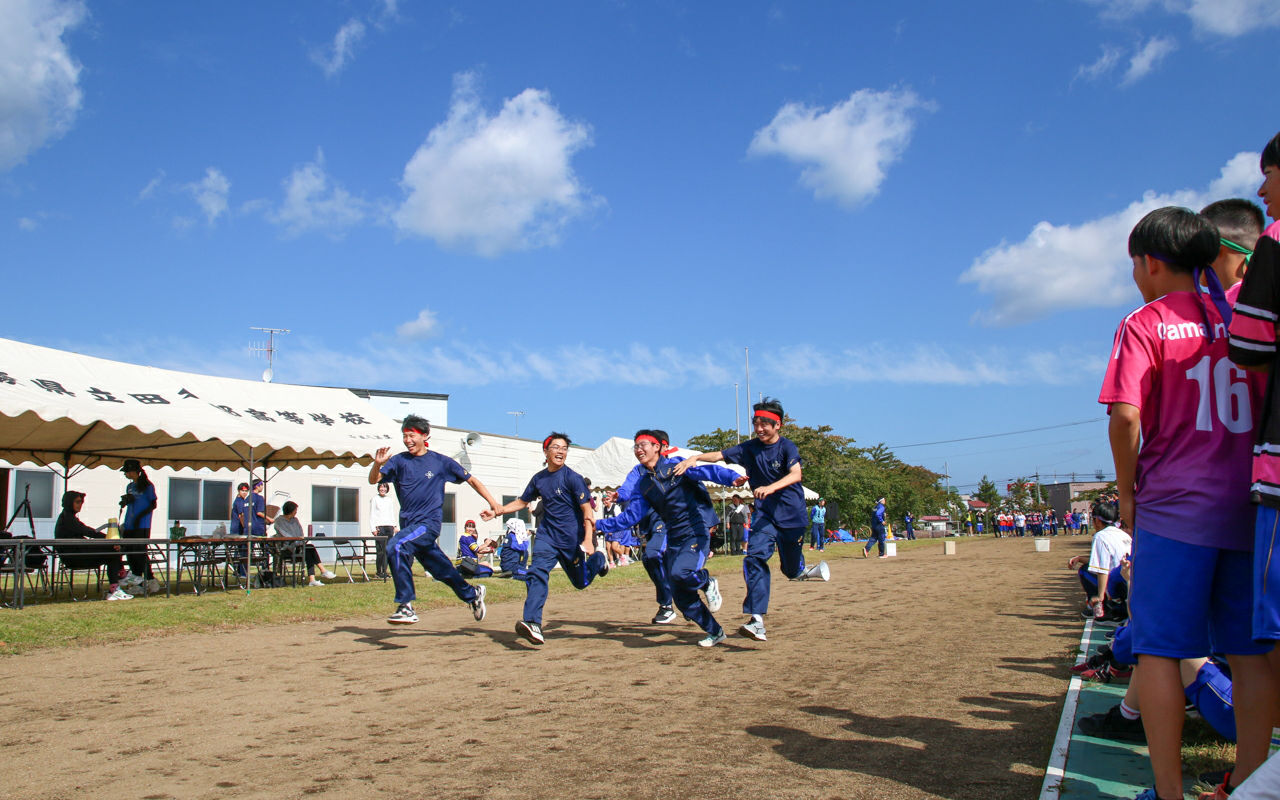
{"points": [[712, 591], [132, 582], [712, 639], [404, 615], [329, 575], [477, 605], [314, 582], [753, 630], [119, 594]]}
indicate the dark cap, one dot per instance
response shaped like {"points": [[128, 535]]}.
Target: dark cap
{"points": [[131, 465]]}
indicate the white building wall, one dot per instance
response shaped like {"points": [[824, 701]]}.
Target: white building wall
{"points": [[434, 410]]}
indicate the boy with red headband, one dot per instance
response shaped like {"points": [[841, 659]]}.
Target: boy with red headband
{"points": [[655, 536], [566, 533], [687, 514], [419, 476], [773, 466]]}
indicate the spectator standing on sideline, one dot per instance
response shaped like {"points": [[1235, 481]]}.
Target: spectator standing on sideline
{"points": [[738, 517], [138, 501], [909, 523], [877, 530], [382, 518], [818, 516]]}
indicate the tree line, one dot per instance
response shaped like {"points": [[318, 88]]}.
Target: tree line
{"points": [[851, 478]]}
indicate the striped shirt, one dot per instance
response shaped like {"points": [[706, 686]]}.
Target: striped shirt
{"points": [[1253, 344]]}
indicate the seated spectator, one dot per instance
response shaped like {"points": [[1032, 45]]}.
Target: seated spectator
{"points": [[469, 552], [1101, 575], [69, 526], [513, 558], [288, 525], [1205, 684]]}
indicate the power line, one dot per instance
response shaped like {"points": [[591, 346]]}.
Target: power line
{"points": [[994, 435]]}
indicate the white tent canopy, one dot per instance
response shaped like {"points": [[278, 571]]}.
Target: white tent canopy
{"points": [[64, 408], [607, 467]]}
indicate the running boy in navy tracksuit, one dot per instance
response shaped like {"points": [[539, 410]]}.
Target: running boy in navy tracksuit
{"points": [[419, 476], [655, 537], [772, 462], [685, 508], [566, 533]]}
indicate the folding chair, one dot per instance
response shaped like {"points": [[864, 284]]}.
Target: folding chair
{"points": [[347, 552]]}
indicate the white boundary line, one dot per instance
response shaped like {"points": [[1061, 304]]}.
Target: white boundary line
{"points": [[1056, 770]]}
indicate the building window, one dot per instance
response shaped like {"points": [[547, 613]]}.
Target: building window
{"points": [[195, 499], [334, 504], [36, 487], [522, 513]]}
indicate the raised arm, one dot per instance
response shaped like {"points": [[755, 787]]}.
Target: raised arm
{"points": [[718, 455], [714, 473], [631, 515], [380, 459]]}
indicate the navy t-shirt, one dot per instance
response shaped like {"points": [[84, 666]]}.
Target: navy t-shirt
{"points": [[765, 464], [419, 482], [563, 492]]}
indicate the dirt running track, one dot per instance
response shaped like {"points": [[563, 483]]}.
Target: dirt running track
{"points": [[916, 677]]}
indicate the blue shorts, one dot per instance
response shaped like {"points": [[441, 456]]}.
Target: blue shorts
{"points": [[1189, 600], [1266, 575]]}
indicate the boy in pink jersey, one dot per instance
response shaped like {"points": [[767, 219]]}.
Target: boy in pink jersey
{"points": [[1184, 491], [1239, 223]]}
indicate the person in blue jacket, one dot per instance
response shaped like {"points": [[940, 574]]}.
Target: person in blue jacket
{"points": [[774, 468], [655, 537], [877, 530], [682, 503], [818, 516]]}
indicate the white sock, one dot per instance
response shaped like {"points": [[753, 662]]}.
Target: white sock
{"points": [[1127, 712], [757, 618]]}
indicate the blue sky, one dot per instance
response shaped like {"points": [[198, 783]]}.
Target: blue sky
{"points": [[914, 217]]}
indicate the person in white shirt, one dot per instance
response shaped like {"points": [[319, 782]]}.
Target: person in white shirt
{"points": [[383, 517], [1102, 576]]}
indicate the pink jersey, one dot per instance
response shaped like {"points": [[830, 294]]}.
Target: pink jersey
{"points": [[1198, 412]]}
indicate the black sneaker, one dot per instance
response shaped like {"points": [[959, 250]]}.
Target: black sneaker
{"points": [[1113, 725], [664, 616], [531, 631]]}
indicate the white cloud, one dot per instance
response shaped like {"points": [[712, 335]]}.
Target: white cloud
{"points": [[39, 80], [846, 149], [1148, 58], [421, 327], [27, 224], [1106, 62], [210, 194], [1060, 267], [311, 202], [380, 362], [495, 183], [926, 364], [151, 186], [336, 57], [1219, 17]]}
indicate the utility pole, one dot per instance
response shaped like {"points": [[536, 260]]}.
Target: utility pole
{"points": [[269, 348], [517, 415], [737, 416], [747, 355]]}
